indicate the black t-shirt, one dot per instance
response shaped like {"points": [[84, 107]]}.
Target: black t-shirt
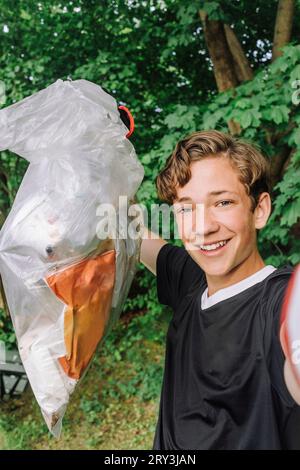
{"points": [[223, 385]]}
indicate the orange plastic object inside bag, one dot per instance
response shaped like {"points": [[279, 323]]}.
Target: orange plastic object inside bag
{"points": [[86, 288]]}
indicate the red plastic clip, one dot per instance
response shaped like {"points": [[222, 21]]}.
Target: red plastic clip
{"points": [[131, 120]]}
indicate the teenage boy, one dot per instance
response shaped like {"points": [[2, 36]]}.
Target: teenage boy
{"points": [[226, 382]]}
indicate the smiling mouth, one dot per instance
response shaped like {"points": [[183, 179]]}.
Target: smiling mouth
{"points": [[213, 247]]}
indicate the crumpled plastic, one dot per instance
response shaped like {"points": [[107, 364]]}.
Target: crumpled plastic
{"points": [[65, 284]]}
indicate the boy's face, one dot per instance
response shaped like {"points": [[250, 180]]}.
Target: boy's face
{"points": [[226, 208]]}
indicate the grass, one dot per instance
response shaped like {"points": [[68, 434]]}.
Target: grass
{"points": [[116, 405]]}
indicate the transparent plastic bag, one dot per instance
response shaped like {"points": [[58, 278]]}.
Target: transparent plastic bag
{"points": [[64, 285]]}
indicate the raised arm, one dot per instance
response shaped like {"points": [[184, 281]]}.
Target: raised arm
{"points": [[151, 245]]}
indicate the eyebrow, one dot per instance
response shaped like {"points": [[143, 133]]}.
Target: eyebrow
{"points": [[217, 193], [211, 193]]}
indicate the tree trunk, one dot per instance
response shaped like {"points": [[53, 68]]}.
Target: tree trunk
{"points": [[241, 64], [222, 60], [219, 52], [279, 164], [283, 26]]}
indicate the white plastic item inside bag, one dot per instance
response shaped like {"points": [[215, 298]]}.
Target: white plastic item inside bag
{"points": [[65, 286]]}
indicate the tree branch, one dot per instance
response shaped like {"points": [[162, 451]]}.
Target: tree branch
{"points": [[241, 64]]}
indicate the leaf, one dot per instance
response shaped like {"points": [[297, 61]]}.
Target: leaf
{"points": [[295, 75], [243, 103], [223, 98], [295, 137], [213, 10], [280, 65], [25, 15], [280, 114], [186, 13], [291, 214], [256, 117], [245, 119], [294, 258]]}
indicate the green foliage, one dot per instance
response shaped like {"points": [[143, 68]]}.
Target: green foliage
{"points": [[133, 344], [7, 334], [92, 408], [31, 430], [213, 10]]}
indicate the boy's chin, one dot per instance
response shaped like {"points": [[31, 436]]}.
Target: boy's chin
{"points": [[216, 272], [211, 267]]}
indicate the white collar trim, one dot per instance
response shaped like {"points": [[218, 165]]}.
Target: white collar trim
{"points": [[235, 289]]}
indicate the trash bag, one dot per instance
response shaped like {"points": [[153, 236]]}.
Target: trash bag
{"points": [[65, 277]]}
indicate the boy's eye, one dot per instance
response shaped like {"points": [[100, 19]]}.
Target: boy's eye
{"points": [[224, 203], [184, 210]]}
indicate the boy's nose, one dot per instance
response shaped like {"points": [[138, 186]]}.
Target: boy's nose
{"points": [[204, 223]]}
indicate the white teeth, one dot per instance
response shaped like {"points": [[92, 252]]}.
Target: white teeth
{"points": [[214, 246]]}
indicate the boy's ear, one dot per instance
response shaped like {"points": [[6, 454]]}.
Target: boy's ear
{"points": [[263, 210]]}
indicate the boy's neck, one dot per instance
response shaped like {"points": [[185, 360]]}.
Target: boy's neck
{"points": [[249, 267]]}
